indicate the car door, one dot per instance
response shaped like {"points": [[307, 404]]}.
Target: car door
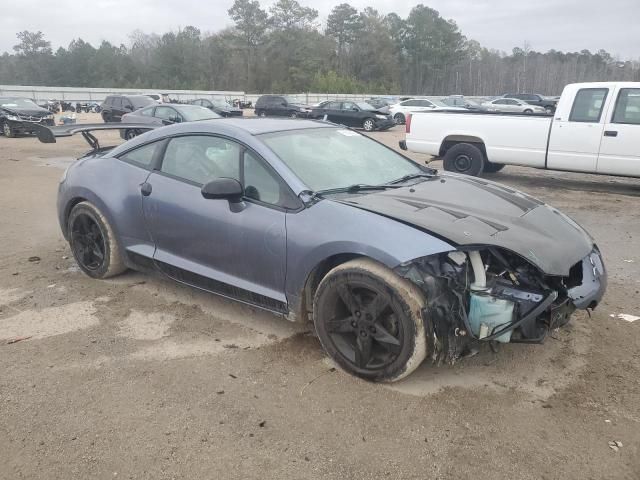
{"points": [[235, 250], [277, 106], [116, 109], [574, 143], [512, 105], [620, 144], [331, 110], [167, 115], [350, 115], [127, 106], [496, 105]]}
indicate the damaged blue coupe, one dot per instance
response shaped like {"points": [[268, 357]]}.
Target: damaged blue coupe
{"points": [[393, 262]]}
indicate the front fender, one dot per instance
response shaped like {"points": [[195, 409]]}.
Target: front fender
{"points": [[328, 229]]}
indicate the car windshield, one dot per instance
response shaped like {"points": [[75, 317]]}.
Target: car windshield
{"points": [[142, 101], [332, 158], [365, 106], [17, 103], [193, 113]]}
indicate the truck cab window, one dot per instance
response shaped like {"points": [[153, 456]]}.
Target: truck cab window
{"points": [[627, 106], [588, 105]]}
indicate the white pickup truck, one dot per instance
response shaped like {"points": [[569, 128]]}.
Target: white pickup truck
{"points": [[595, 129]]}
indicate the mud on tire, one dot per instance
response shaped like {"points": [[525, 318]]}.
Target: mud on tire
{"points": [[381, 315], [104, 241]]}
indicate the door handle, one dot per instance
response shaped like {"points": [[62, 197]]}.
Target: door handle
{"points": [[610, 133], [146, 189]]}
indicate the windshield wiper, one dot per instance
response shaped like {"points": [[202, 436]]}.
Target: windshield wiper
{"points": [[411, 176], [359, 187]]}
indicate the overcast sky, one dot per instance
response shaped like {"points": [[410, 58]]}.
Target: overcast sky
{"points": [[568, 25]]}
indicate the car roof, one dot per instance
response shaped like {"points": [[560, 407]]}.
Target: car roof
{"points": [[258, 126]]}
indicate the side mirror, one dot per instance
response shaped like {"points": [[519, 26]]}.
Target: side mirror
{"points": [[223, 189], [167, 121], [355, 109], [284, 104]]}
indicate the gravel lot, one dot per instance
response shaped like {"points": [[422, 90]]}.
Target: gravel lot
{"points": [[137, 377]]}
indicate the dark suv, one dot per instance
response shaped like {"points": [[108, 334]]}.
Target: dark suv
{"points": [[115, 106], [280, 105], [535, 99]]}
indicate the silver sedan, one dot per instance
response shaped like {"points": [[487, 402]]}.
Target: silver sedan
{"points": [[512, 105]]}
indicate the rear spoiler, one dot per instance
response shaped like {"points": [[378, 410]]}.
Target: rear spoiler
{"points": [[49, 134]]}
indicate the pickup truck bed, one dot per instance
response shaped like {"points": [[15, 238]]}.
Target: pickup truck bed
{"points": [[595, 129]]}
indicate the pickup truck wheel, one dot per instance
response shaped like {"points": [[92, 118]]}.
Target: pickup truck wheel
{"points": [[399, 118], [492, 167], [369, 321], [464, 158]]}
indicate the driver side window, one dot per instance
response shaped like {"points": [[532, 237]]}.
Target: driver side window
{"points": [[201, 159]]}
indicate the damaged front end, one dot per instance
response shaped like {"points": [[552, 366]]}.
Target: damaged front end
{"points": [[487, 294]]}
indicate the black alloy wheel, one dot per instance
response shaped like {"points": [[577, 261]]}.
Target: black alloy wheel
{"points": [[369, 322], [87, 243]]}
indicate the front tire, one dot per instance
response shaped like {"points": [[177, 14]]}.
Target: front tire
{"points": [[528, 111], [369, 321], [261, 113], [8, 131], [464, 158], [293, 114], [399, 118], [369, 125], [93, 243]]}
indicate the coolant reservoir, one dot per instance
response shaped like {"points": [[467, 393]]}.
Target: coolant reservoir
{"points": [[487, 313]]}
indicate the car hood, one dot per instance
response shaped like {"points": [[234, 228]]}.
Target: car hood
{"points": [[32, 112], [468, 211]]}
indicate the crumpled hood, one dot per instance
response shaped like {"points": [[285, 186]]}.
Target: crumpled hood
{"points": [[471, 211], [32, 112]]}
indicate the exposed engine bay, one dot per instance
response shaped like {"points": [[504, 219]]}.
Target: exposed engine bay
{"points": [[494, 295]]}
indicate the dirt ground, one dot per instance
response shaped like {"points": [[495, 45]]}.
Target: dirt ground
{"points": [[140, 378]]}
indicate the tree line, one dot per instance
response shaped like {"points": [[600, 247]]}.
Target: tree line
{"points": [[286, 49]]}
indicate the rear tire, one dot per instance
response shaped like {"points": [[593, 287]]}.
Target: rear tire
{"points": [[464, 158], [131, 133], [93, 243], [369, 321]]}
